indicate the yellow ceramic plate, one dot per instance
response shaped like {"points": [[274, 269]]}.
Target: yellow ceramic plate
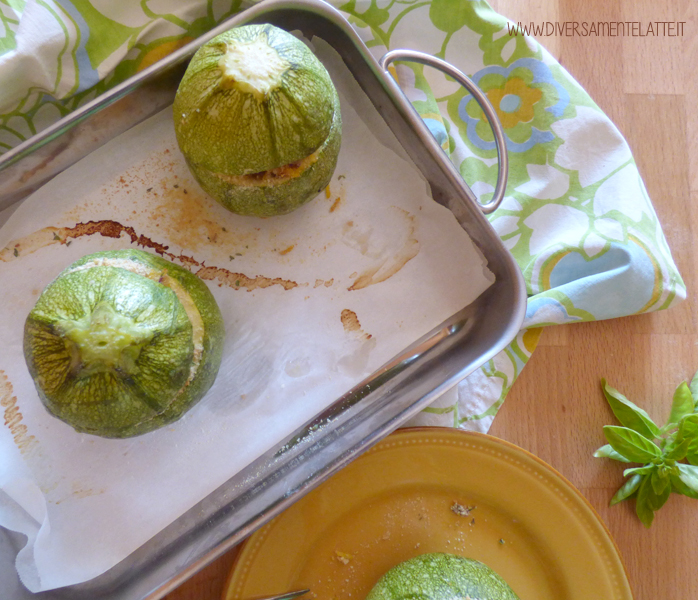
{"points": [[402, 498]]}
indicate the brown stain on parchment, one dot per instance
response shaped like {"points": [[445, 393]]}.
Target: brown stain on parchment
{"points": [[335, 204], [80, 492], [350, 321], [188, 224], [64, 235], [13, 417], [30, 243], [339, 194], [186, 221], [186, 218], [351, 324], [241, 281], [113, 229], [157, 195], [391, 265]]}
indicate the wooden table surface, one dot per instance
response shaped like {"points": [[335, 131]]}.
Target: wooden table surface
{"points": [[649, 88]]}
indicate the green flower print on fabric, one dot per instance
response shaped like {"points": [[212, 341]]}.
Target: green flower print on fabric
{"points": [[9, 20], [415, 86], [527, 99], [86, 51]]}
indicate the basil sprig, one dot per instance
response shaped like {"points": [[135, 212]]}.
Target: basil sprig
{"points": [[659, 450]]}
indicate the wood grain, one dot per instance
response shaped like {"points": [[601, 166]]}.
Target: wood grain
{"points": [[649, 87]]}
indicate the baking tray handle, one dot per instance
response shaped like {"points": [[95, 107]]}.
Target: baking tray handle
{"points": [[480, 98]]}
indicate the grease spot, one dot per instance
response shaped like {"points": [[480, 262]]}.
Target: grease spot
{"points": [[13, 417], [356, 362], [188, 220], [298, 367], [391, 253], [80, 492], [321, 282], [113, 229], [350, 320], [351, 324], [240, 280], [61, 235]]}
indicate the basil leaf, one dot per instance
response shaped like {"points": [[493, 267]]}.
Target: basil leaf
{"points": [[631, 444], [646, 470], [629, 414], [681, 488], [650, 501], [688, 474], [660, 481], [688, 427], [688, 430], [656, 501], [642, 507], [692, 453], [627, 489], [676, 450], [682, 404], [607, 451], [694, 390]]}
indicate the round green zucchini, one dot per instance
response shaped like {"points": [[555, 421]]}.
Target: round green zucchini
{"points": [[441, 576], [258, 121], [123, 342]]}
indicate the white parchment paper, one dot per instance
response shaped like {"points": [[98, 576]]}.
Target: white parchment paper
{"points": [[313, 302]]}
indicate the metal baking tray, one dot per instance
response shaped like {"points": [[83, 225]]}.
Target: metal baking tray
{"points": [[369, 411]]}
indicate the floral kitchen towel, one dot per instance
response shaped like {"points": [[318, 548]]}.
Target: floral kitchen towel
{"points": [[576, 216]]}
